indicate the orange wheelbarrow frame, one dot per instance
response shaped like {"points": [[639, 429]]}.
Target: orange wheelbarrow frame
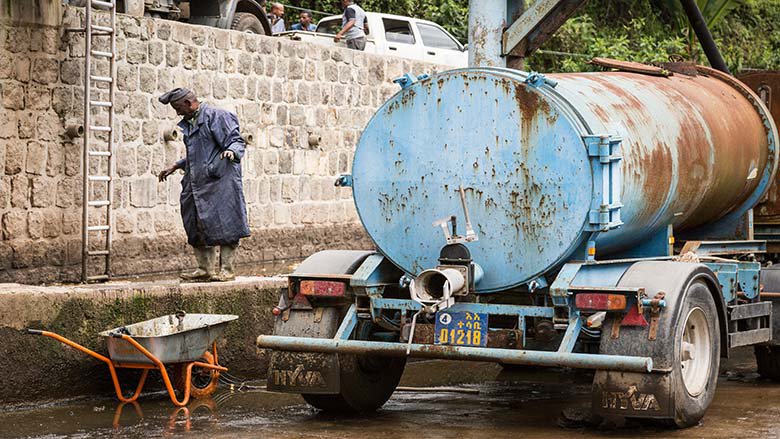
{"points": [[159, 365]]}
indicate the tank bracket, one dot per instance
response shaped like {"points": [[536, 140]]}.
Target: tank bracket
{"points": [[604, 152]]}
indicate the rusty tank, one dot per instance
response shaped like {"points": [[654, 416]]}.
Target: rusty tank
{"points": [[559, 166]]}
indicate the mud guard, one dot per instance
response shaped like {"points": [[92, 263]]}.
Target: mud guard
{"points": [[312, 373], [641, 395]]}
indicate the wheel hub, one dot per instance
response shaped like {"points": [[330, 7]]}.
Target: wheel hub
{"points": [[695, 352]]}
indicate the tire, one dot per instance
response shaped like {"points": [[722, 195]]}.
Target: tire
{"points": [[367, 382], [768, 361], [250, 23], [203, 382], [696, 378]]}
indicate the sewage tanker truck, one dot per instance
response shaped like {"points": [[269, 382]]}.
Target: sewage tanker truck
{"points": [[587, 220]]}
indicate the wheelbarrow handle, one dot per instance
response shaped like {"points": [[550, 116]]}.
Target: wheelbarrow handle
{"points": [[34, 331]]}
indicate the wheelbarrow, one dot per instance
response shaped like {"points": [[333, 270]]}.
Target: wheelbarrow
{"points": [[180, 340]]}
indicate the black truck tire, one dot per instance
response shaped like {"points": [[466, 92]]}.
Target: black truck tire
{"points": [[697, 376], [367, 382], [246, 22], [768, 361]]}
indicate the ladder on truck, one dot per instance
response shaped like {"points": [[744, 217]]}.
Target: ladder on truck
{"points": [[98, 152]]}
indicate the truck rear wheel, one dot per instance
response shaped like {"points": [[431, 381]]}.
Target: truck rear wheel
{"points": [[367, 382], [768, 361], [246, 22], [696, 356]]}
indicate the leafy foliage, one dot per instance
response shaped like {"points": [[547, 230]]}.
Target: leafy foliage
{"points": [[747, 31]]}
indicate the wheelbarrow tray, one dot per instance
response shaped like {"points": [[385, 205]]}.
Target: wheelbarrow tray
{"points": [[170, 339]]}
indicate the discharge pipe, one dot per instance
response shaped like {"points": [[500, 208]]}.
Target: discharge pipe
{"points": [[703, 34]]}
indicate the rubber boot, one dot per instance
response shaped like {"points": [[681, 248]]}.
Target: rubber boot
{"points": [[226, 255], [206, 257]]}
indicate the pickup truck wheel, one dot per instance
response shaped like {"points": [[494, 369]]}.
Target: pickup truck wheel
{"points": [[696, 356], [246, 22], [367, 382]]}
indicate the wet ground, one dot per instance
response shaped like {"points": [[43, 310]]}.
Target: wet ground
{"points": [[480, 400]]}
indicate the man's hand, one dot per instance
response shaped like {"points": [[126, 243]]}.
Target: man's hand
{"points": [[337, 38], [228, 154], [165, 173]]}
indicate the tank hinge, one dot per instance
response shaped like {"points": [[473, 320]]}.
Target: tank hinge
{"points": [[604, 152], [408, 79], [535, 79]]}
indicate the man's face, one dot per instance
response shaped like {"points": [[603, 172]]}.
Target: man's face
{"points": [[305, 20], [184, 108], [345, 3], [278, 10]]}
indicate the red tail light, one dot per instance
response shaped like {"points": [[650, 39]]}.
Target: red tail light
{"points": [[326, 288], [600, 302]]}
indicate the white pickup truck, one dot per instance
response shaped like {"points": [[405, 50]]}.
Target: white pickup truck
{"points": [[405, 37]]}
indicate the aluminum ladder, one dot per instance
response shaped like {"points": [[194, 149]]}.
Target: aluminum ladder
{"points": [[98, 152]]}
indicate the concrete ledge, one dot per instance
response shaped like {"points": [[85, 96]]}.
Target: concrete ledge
{"points": [[39, 368]]}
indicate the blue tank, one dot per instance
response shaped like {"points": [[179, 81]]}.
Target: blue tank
{"points": [[548, 165]]}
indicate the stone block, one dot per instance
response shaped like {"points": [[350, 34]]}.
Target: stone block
{"points": [[49, 126], [299, 162], [131, 130], [71, 71], [6, 65], [237, 88], [71, 222], [127, 78], [22, 70], [35, 224], [198, 36], [5, 192], [42, 192], [220, 88], [139, 106], [290, 189], [297, 116], [125, 163], [38, 97], [281, 214], [189, 57], [68, 191], [281, 115], [163, 30], [182, 33], [156, 52], [62, 100], [209, 59], [145, 222], [164, 221], [172, 54], [143, 192], [13, 95], [245, 64], [55, 162], [45, 70], [124, 221], [270, 162], [15, 154], [151, 132], [52, 223], [36, 158], [72, 158], [285, 162], [14, 225], [148, 79]]}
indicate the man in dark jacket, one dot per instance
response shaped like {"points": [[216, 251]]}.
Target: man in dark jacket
{"points": [[212, 196]]}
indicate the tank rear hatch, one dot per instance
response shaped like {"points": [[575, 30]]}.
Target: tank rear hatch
{"points": [[517, 152]]}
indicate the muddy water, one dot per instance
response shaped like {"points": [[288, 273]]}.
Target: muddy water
{"points": [[489, 403]]}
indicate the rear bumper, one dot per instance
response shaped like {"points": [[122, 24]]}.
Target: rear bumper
{"points": [[508, 356]]}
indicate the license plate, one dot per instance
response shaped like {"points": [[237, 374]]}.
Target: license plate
{"points": [[461, 328]]}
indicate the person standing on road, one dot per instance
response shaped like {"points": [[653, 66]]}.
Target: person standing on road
{"points": [[304, 22], [276, 17], [213, 209], [353, 26]]}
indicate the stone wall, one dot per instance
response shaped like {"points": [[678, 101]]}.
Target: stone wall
{"points": [[304, 105]]}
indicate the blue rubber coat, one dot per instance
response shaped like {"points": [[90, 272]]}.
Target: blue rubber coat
{"points": [[212, 197]]}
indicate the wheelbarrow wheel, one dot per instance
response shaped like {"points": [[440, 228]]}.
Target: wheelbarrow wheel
{"points": [[203, 382]]}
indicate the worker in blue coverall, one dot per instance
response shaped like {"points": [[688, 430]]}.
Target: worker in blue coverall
{"points": [[212, 197]]}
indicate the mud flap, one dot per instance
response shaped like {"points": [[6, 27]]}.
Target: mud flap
{"points": [[632, 395], [305, 372]]}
